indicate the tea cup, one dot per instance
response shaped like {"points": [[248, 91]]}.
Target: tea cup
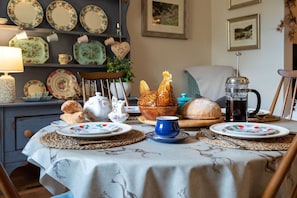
{"points": [[53, 37], [167, 126], [83, 39], [64, 58]]}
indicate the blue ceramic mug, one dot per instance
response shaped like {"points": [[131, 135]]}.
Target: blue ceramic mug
{"points": [[167, 126]]}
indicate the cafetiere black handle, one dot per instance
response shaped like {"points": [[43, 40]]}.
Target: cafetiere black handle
{"points": [[254, 113]]}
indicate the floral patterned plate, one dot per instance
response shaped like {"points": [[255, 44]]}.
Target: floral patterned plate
{"points": [[35, 50], [34, 86], [220, 129], [93, 19], [61, 15], [94, 129], [250, 129], [62, 84], [25, 13], [92, 52]]}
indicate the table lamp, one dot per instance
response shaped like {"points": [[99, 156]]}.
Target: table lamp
{"points": [[11, 60]]}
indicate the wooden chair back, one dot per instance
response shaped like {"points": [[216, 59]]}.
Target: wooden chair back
{"points": [[280, 173], [287, 80], [94, 81], [289, 86], [6, 186]]}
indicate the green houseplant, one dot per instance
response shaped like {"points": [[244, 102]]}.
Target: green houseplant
{"points": [[116, 65]]}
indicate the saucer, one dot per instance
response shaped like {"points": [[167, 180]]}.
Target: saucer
{"points": [[180, 137]]}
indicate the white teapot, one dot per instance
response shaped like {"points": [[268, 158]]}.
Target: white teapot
{"points": [[97, 108]]}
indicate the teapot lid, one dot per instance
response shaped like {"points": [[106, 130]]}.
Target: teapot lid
{"points": [[236, 80]]}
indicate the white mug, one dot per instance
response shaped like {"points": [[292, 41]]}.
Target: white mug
{"points": [[53, 37], [21, 35], [83, 39], [64, 58]]}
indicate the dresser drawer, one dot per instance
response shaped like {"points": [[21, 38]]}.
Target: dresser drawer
{"points": [[27, 125]]}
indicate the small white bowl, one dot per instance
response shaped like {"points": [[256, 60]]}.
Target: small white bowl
{"points": [[3, 21]]}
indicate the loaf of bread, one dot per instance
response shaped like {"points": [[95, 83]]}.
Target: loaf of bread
{"points": [[201, 109], [71, 106]]}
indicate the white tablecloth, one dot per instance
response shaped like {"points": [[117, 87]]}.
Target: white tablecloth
{"points": [[149, 169]]}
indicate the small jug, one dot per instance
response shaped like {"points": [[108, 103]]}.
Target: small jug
{"points": [[237, 99], [97, 108], [118, 113]]}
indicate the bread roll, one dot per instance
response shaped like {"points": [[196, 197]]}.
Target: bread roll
{"points": [[71, 106], [201, 109], [73, 118]]}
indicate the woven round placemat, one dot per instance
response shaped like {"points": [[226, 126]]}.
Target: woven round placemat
{"points": [[56, 140], [269, 144]]}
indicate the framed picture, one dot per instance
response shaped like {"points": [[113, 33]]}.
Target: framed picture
{"points": [[164, 18], [241, 3], [243, 33]]}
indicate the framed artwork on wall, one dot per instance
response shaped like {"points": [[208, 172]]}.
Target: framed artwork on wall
{"points": [[243, 33], [241, 3], [164, 18]]}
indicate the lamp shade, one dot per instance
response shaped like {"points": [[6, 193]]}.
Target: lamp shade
{"points": [[11, 59]]}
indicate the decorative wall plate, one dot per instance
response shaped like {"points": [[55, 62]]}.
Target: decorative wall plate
{"points": [[92, 52], [62, 84], [61, 15], [35, 50], [93, 19], [34, 86], [25, 13]]}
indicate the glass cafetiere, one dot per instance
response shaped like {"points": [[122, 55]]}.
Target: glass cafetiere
{"points": [[237, 99]]}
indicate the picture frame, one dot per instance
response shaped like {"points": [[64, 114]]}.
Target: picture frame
{"points": [[243, 32], [233, 4], [164, 18]]}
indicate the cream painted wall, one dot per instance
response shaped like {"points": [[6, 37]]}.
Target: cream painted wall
{"points": [[151, 56], [259, 65], [206, 44]]}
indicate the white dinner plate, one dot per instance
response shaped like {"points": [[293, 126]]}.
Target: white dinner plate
{"points": [[246, 128], [219, 129], [94, 129]]}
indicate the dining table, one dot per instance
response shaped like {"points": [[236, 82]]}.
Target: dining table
{"points": [[136, 165]]}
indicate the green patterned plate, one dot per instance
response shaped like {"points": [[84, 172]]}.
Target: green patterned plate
{"points": [[35, 50], [92, 52]]}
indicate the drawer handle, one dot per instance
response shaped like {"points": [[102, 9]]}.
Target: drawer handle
{"points": [[28, 133]]}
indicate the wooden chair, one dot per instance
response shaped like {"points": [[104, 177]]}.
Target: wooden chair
{"points": [[103, 80], [9, 190], [286, 82], [280, 173], [288, 77]]}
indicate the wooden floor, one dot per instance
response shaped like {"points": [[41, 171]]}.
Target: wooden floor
{"points": [[26, 178]]}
